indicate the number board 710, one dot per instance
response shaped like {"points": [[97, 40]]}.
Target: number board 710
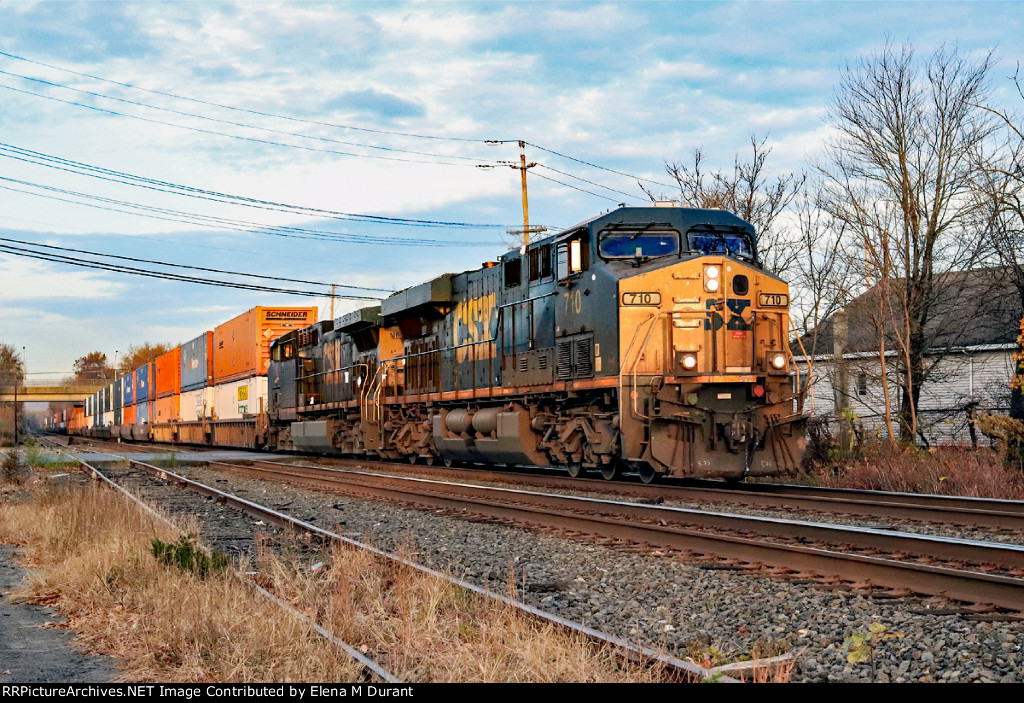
{"points": [[651, 299], [773, 300]]}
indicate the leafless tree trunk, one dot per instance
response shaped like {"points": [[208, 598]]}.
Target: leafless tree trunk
{"points": [[748, 192], [1001, 183], [901, 173]]}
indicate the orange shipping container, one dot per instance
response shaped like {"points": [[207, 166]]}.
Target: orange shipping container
{"points": [[128, 415], [168, 373], [241, 347], [166, 409]]}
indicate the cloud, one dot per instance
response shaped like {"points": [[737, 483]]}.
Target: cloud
{"points": [[372, 103], [86, 31], [26, 279]]}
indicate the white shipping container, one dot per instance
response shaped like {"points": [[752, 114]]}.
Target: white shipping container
{"points": [[233, 400], [197, 405], [108, 419]]}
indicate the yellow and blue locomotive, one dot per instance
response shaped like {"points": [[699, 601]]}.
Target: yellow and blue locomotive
{"points": [[645, 339]]}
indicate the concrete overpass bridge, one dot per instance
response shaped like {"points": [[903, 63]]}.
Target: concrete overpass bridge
{"points": [[57, 392]]}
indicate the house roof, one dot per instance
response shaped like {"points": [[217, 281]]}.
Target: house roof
{"points": [[970, 308]]}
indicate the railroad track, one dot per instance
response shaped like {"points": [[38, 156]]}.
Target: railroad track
{"points": [[1002, 515], [676, 669], [991, 574]]}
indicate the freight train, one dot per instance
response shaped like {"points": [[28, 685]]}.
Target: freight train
{"points": [[646, 340]]}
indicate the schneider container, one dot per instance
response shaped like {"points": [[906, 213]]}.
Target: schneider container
{"points": [[241, 347]]}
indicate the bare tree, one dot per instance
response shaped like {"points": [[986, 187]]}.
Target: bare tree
{"points": [[1001, 183], [900, 175], [748, 192]]}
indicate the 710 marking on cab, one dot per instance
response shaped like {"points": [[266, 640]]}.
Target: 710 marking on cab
{"points": [[651, 299]]}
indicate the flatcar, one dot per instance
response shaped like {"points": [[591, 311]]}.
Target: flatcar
{"points": [[646, 339]]}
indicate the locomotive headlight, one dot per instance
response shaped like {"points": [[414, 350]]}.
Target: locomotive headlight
{"points": [[689, 361], [777, 360], [711, 280]]}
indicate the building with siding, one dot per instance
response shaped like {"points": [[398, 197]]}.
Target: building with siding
{"points": [[970, 337]]}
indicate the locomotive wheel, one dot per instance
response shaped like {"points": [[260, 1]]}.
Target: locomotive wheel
{"points": [[448, 462], [575, 469], [429, 461], [611, 471], [413, 458], [647, 473]]}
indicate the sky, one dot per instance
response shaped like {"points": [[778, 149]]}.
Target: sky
{"points": [[356, 140]]}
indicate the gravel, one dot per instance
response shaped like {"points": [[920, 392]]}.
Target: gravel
{"points": [[664, 601]]}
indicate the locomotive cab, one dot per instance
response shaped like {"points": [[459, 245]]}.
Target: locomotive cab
{"points": [[705, 374]]}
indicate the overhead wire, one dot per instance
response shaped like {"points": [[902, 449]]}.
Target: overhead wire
{"points": [[163, 275], [242, 124], [215, 222], [243, 109], [200, 130], [185, 266], [68, 165]]}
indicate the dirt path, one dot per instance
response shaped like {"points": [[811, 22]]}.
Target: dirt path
{"points": [[32, 654]]}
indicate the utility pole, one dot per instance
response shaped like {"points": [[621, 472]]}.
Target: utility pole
{"points": [[522, 167], [332, 300]]}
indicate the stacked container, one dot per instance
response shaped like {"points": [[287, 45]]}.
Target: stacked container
{"points": [[143, 395], [167, 386], [197, 378], [241, 356]]}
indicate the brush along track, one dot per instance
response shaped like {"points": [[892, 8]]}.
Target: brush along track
{"points": [[224, 529], [959, 569], [675, 669]]}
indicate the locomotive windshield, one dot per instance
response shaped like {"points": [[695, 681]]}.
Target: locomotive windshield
{"points": [[638, 243], [718, 242]]}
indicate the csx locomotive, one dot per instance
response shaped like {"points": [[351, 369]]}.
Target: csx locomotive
{"points": [[647, 339]]}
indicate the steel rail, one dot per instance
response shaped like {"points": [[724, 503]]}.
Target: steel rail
{"points": [[949, 548], [549, 510], [369, 666], [972, 512], [688, 669]]}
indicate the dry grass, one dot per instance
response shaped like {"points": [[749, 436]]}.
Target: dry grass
{"points": [[423, 628], [943, 470], [89, 549], [90, 552]]}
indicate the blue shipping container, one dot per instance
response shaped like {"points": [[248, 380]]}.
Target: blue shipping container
{"points": [[142, 413], [128, 390], [197, 363], [142, 377]]}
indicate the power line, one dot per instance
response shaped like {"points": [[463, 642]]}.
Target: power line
{"points": [[597, 166], [242, 109], [569, 185], [184, 266], [163, 275], [215, 222], [222, 134], [84, 169], [584, 180], [238, 124]]}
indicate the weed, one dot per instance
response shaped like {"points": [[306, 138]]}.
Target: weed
{"points": [[187, 555], [11, 468], [860, 646]]}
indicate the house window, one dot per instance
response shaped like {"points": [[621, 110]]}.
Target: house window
{"points": [[862, 383]]}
